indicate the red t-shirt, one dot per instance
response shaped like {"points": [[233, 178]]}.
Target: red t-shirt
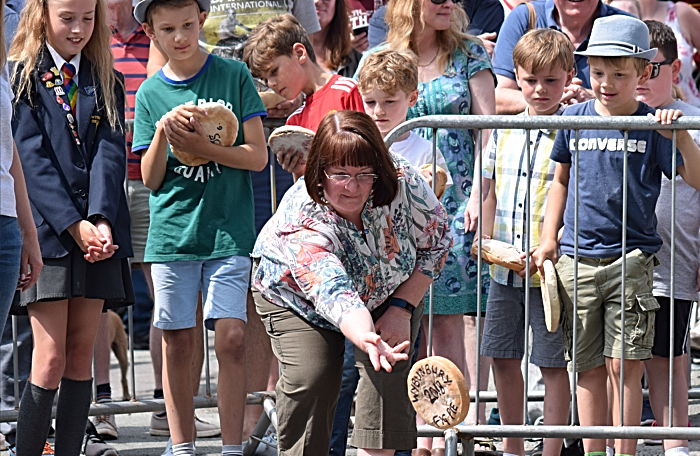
{"points": [[337, 94], [130, 59]]}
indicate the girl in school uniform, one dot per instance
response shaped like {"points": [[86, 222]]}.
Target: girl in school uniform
{"points": [[69, 130]]}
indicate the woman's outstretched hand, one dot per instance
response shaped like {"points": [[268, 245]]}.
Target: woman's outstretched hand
{"points": [[381, 355]]}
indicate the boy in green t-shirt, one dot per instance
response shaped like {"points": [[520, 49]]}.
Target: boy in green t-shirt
{"points": [[202, 228]]}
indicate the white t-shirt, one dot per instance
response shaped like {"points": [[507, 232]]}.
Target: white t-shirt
{"points": [[419, 151], [687, 230], [8, 206]]}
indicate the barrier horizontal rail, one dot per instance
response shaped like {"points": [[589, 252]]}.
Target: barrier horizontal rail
{"points": [[536, 122], [567, 432], [149, 405]]}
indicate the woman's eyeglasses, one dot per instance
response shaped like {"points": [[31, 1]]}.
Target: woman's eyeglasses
{"points": [[344, 179], [656, 67]]}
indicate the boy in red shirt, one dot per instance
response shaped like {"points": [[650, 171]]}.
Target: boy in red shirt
{"points": [[279, 52]]}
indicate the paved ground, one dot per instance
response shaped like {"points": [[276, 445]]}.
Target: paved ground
{"points": [[134, 439]]}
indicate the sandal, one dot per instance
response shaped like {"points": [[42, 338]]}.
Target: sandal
{"points": [[484, 445]]}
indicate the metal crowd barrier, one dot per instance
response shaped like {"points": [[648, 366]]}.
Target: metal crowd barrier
{"points": [[466, 434], [480, 123]]}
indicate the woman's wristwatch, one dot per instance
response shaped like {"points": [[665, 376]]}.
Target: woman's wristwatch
{"points": [[402, 303]]}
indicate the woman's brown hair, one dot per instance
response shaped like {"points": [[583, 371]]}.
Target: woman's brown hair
{"points": [[351, 138], [338, 42]]}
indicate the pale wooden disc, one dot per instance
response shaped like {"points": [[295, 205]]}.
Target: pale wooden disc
{"points": [[271, 99], [221, 127], [441, 181], [500, 253], [438, 392], [550, 296], [291, 137]]}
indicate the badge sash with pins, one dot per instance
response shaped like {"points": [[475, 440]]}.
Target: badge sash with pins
{"points": [[53, 80]]}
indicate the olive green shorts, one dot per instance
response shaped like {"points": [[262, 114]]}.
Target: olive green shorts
{"points": [[599, 329]]}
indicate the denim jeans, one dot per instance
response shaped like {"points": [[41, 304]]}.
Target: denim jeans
{"points": [[10, 257], [351, 376]]}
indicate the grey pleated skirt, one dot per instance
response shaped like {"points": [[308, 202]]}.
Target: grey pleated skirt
{"points": [[73, 277]]}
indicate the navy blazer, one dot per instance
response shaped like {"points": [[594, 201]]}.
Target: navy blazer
{"points": [[66, 182]]}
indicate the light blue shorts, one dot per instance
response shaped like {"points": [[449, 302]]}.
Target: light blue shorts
{"points": [[224, 284]]}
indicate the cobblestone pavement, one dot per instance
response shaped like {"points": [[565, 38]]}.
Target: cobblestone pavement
{"points": [[134, 439]]}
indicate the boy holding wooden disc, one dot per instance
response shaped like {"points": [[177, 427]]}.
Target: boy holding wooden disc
{"points": [[544, 67]]}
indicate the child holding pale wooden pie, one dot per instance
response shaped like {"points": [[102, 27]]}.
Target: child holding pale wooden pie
{"points": [[544, 62], [202, 222]]}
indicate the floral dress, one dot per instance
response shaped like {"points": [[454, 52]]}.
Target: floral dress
{"points": [[455, 287], [318, 264]]}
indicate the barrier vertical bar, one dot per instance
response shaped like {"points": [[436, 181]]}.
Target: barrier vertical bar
{"points": [[207, 382], [15, 360], [672, 316], [273, 181], [477, 373], [431, 290], [131, 352], [623, 298], [528, 224], [574, 317]]}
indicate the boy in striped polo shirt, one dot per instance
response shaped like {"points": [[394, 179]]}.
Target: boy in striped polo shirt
{"points": [[544, 62]]}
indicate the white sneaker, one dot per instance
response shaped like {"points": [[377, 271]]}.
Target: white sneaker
{"points": [[205, 429], [3, 445], [160, 427], [106, 426]]}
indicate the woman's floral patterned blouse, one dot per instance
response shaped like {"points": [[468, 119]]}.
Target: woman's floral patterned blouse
{"points": [[317, 263]]}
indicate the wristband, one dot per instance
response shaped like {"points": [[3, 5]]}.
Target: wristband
{"points": [[403, 304]]}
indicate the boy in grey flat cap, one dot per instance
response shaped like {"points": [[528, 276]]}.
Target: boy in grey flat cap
{"points": [[618, 57]]}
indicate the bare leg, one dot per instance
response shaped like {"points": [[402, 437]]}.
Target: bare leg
{"points": [[509, 384], [657, 374], [632, 389], [556, 398], [198, 354], [178, 350], [258, 360], [274, 374], [230, 351], [102, 359], [591, 410], [471, 349]]}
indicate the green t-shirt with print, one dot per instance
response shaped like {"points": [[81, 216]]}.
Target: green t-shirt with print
{"points": [[199, 212]]}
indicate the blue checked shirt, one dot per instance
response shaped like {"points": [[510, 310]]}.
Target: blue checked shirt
{"points": [[506, 154]]}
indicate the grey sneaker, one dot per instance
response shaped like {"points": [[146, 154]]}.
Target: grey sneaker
{"points": [[93, 445], [106, 426]]}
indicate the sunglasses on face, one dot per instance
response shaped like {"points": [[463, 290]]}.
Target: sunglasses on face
{"points": [[656, 67], [440, 2]]}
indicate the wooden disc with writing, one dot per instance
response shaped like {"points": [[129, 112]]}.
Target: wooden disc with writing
{"points": [[438, 392], [550, 297], [220, 125]]}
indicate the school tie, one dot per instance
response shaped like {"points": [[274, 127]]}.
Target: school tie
{"points": [[69, 85]]}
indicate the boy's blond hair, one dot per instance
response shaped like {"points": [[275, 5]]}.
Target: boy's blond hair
{"points": [[542, 49], [30, 41], [389, 70], [620, 62], [273, 38]]}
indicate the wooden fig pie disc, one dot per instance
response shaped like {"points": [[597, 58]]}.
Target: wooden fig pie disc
{"points": [[438, 392], [550, 297], [220, 126]]}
